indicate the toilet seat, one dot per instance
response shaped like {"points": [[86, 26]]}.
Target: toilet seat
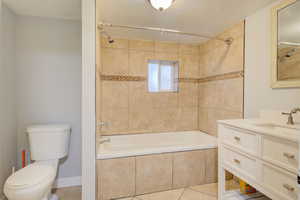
{"points": [[30, 176], [30, 183]]}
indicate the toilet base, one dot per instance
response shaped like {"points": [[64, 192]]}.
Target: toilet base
{"points": [[54, 197], [51, 197]]}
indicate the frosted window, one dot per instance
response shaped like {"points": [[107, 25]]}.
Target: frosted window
{"points": [[162, 76]]}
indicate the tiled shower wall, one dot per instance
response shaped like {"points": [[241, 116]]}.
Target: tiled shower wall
{"points": [[221, 98], [127, 106]]}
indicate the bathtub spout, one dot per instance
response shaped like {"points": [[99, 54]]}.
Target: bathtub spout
{"points": [[103, 140]]}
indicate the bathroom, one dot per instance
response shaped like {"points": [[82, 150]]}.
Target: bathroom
{"points": [[180, 100]]}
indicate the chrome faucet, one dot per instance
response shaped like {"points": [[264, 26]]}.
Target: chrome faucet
{"points": [[290, 115]]}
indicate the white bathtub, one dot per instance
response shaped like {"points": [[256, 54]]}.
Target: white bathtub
{"points": [[155, 143]]}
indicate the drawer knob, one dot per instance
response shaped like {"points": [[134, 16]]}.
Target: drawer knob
{"points": [[237, 161], [288, 187], [237, 138], [289, 156]]}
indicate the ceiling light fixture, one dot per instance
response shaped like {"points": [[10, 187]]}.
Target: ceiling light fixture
{"points": [[161, 4]]}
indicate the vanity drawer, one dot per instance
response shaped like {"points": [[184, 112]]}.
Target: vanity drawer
{"points": [[280, 152], [282, 183], [243, 164], [243, 140]]}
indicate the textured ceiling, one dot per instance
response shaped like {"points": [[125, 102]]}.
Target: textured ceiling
{"points": [[207, 17]]}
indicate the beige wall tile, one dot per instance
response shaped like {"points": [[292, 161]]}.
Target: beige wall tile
{"points": [[115, 94], [188, 94], [185, 110], [233, 94], [116, 178], [210, 64], [167, 56], [142, 119], [118, 43], [187, 118], [211, 169], [117, 119], [221, 99], [212, 117], [139, 96], [189, 66], [232, 115], [169, 47], [234, 59], [164, 99], [208, 120], [151, 176], [203, 120], [141, 113], [165, 119], [115, 61], [208, 95], [138, 62], [188, 169], [188, 49], [141, 45]]}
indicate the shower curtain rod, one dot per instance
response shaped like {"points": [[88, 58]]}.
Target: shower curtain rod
{"points": [[228, 41]]}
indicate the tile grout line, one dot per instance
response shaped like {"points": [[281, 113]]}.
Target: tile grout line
{"points": [[181, 194], [203, 192]]}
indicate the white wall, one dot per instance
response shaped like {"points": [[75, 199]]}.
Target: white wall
{"points": [[258, 93], [8, 131], [49, 80]]}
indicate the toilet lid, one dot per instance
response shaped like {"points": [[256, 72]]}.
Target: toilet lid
{"points": [[31, 175]]}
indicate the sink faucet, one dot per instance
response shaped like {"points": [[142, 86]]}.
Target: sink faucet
{"points": [[290, 114]]}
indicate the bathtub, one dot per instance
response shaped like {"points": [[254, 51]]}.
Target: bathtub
{"points": [[155, 143]]}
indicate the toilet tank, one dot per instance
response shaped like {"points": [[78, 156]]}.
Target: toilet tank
{"points": [[49, 142]]}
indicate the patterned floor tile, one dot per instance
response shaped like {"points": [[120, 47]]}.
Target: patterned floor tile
{"points": [[193, 195], [167, 195], [210, 189]]}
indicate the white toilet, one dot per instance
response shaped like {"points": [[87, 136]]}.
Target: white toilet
{"points": [[48, 144]]}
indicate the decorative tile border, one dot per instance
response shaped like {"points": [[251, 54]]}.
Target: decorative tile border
{"points": [[122, 78], [188, 80], [219, 77], [230, 75]]}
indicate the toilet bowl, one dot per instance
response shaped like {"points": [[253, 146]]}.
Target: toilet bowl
{"points": [[48, 144], [33, 182]]}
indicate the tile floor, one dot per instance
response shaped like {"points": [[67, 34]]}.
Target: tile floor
{"points": [[70, 193], [201, 192]]}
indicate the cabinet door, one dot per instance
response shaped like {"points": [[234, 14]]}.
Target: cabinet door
{"points": [[279, 182]]}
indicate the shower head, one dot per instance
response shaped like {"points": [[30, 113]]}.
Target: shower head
{"points": [[110, 40]]}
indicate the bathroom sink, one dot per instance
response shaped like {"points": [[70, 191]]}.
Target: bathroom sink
{"points": [[277, 127]]}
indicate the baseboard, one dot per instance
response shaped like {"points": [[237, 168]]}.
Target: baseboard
{"points": [[68, 182]]}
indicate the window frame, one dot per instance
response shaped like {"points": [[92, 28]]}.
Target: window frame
{"points": [[175, 76]]}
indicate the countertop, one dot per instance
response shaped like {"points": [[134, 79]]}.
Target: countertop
{"points": [[292, 133]]}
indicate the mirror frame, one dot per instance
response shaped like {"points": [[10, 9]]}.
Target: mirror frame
{"points": [[275, 83]]}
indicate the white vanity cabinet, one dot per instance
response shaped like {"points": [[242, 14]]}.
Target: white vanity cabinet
{"points": [[268, 162]]}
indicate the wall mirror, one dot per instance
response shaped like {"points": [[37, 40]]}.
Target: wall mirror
{"points": [[286, 44]]}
